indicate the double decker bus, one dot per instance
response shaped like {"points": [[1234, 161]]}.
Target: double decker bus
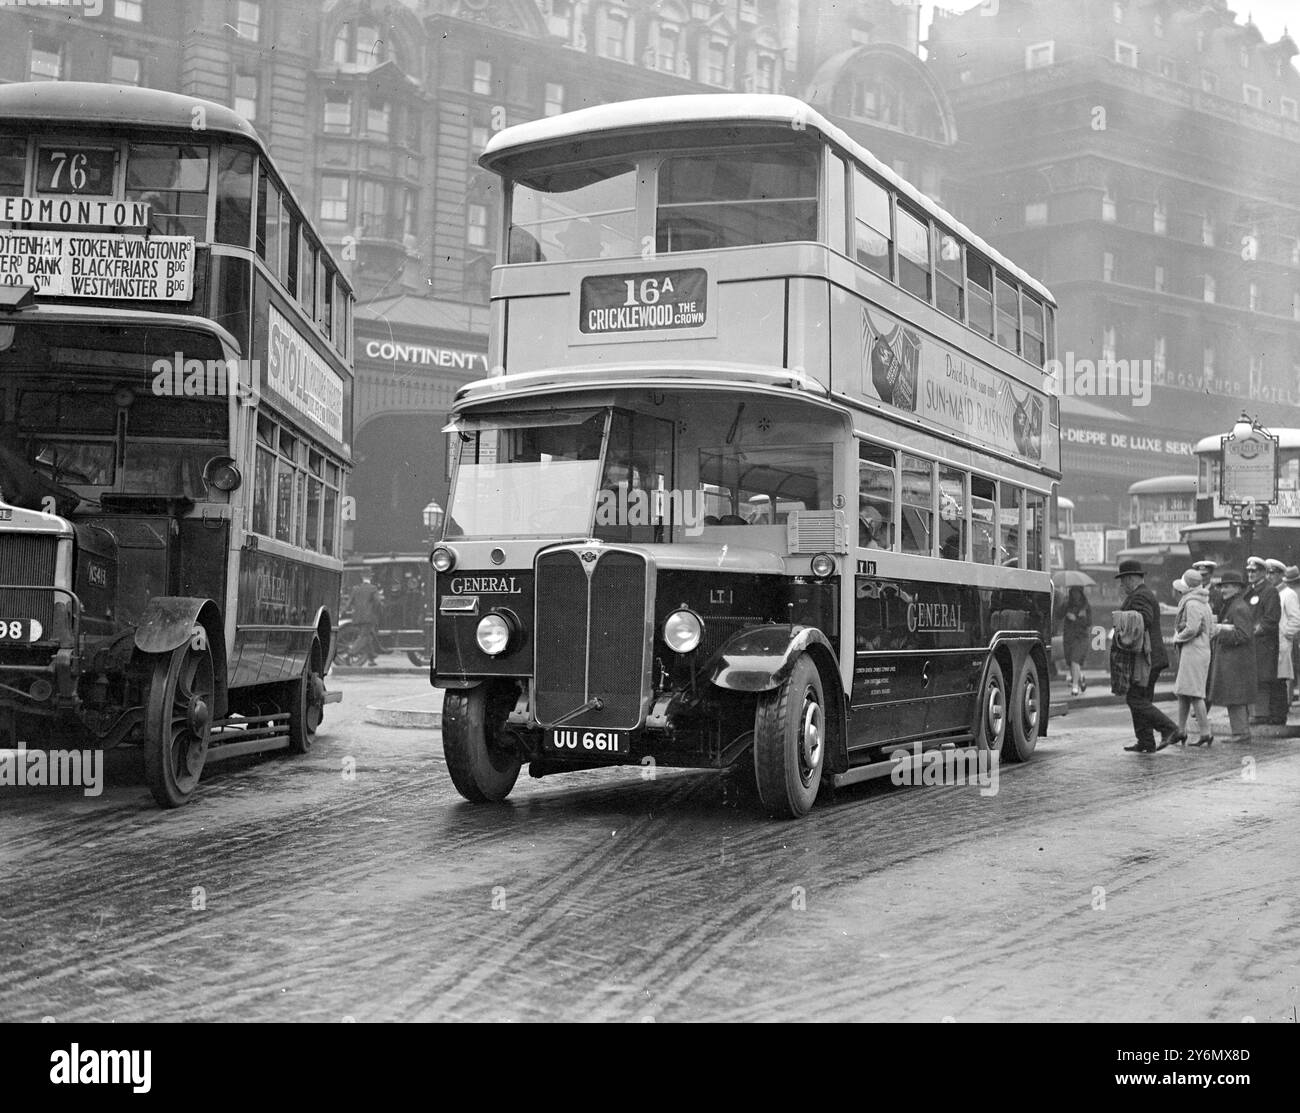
{"points": [[175, 414], [1159, 509], [765, 470], [1215, 536]]}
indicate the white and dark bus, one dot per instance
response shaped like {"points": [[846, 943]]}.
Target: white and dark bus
{"points": [[764, 470], [175, 415]]}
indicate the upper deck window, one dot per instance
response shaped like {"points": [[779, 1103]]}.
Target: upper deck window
{"points": [[174, 181], [582, 213], [234, 196], [948, 277], [871, 218], [743, 197], [913, 254], [1008, 306], [979, 292], [13, 165]]}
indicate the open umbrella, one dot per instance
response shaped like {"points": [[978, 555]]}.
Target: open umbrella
{"points": [[1072, 577]]}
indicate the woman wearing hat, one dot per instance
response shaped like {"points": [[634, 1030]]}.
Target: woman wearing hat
{"points": [[1194, 627], [1289, 628], [1076, 633], [1232, 671]]}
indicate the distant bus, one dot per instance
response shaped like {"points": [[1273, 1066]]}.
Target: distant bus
{"points": [[1213, 535], [1159, 510], [176, 389], [766, 476]]}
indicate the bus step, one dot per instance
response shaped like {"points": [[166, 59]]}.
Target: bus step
{"points": [[907, 755], [333, 697], [253, 734]]}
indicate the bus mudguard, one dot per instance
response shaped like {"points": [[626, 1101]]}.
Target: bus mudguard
{"points": [[759, 659], [168, 623]]}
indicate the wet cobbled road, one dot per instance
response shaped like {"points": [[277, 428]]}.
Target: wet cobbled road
{"points": [[354, 883]]}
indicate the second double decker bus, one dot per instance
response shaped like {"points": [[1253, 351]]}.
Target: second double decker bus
{"points": [[763, 474], [175, 399]]}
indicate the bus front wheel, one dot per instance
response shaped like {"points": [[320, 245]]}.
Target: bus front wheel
{"points": [[991, 729], [790, 741], [307, 701], [1026, 704], [483, 764], [178, 724]]}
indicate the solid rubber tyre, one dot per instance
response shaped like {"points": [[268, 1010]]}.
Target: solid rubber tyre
{"points": [[483, 766], [991, 715], [178, 724], [307, 701], [790, 741], [1026, 704]]}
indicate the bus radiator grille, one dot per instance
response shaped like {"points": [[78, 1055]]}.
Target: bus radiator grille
{"points": [[28, 560], [590, 638]]}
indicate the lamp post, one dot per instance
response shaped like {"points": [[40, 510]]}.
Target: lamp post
{"points": [[433, 514]]}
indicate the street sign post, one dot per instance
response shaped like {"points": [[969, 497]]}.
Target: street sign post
{"points": [[1248, 477]]}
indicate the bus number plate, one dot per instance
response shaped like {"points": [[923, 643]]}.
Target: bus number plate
{"points": [[643, 302], [20, 630], [589, 742]]}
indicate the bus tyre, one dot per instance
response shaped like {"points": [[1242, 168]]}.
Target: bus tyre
{"points": [[307, 701], [1026, 705], [790, 741], [991, 727], [483, 765], [178, 724]]}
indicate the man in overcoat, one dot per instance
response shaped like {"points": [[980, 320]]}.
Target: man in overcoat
{"points": [[1147, 717], [1232, 667], [1266, 610]]}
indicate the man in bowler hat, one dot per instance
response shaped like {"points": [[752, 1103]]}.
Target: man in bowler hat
{"points": [[1267, 611], [1147, 717]]}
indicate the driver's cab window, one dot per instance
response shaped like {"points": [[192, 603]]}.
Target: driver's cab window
{"points": [[763, 485], [634, 501]]}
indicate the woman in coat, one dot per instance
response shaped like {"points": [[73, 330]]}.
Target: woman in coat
{"points": [[1193, 629], [1232, 673], [1076, 633]]}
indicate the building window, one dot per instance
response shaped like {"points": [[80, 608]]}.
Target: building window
{"points": [[1040, 54], [1117, 12], [338, 113], [716, 63], [554, 98], [1256, 385], [359, 46], [1210, 288], [334, 198], [1108, 266], [1207, 364], [375, 210], [1126, 54], [1207, 231], [765, 74], [46, 62], [1108, 205], [1209, 82], [248, 20], [131, 10], [614, 42], [1295, 306], [1158, 26], [246, 95], [477, 234], [1252, 297], [1159, 281], [1168, 69], [668, 40], [378, 119], [124, 70], [1158, 362], [478, 139], [1160, 218], [1108, 344], [1252, 95], [1243, 56], [482, 77], [1036, 212], [1289, 108]]}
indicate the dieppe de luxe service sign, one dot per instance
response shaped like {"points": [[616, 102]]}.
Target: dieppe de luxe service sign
{"points": [[68, 262], [300, 377]]}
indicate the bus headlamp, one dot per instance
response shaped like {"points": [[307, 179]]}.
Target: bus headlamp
{"points": [[495, 633], [823, 565], [442, 559], [682, 631], [220, 472]]}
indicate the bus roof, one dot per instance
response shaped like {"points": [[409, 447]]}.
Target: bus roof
{"points": [[1164, 485], [1286, 438], [704, 108], [91, 105]]}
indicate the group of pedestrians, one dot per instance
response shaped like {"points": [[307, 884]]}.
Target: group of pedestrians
{"points": [[1236, 643]]}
